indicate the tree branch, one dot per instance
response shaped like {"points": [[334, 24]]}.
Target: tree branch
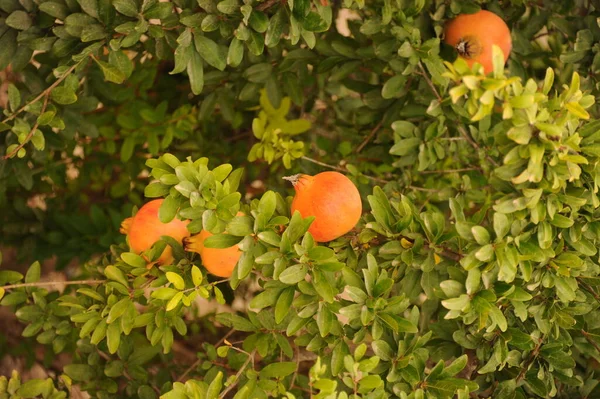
{"points": [[426, 172], [48, 283], [588, 288], [369, 137], [459, 127], [530, 360], [342, 170], [44, 93], [197, 362], [31, 132], [590, 340], [266, 5], [429, 82], [237, 376]]}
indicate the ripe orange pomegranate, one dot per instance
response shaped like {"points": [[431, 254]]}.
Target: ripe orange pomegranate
{"points": [[332, 199], [473, 36], [145, 229], [218, 261]]}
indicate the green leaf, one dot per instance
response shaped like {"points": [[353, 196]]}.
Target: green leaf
{"points": [[63, 95], [113, 337], [215, 386], [211, 52], [79, 372], [176, 280], [33, 273], [293, 274], [256, 43], [577, 110], [133, 259], [164, 293], [8, 44], [38, 140], [228, 6], [54, 9], [195, 71], [278, 370], [242, 324], [221, 241], [196, 276], [173, 302], [393, 87], [126, 7], [116, 274], [320, 253], [448, 387], [121, 62], [548, 80], [275, 29], [118, 309], [127, 148], [159, 11], [14, 97], [481, 235], [235, 53], [324, 320], [34, 388], [455, 367], [168, 209], [259, 21], [284, 303], [19, 20]]}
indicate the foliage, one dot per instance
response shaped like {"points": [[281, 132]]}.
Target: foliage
{"points": [[474, 272]]}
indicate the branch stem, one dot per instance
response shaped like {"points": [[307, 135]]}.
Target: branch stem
{"points": [[198, 361], [369, 137], [342, 170], [460, 127], [42, 94], [237, 376], [31, 132], [49, 283]]}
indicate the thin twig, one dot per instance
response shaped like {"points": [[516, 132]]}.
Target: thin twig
{"points": [[266, 5], [369, 137], [425, 172], [47, 283], [590, 340], [42, 94], [588, 288], [197, 362], [429, 82], [427, 190], [324, 164], [237, 376], [31, 132], [530, 360], [375, 179], [460, 128], [125, 373]]}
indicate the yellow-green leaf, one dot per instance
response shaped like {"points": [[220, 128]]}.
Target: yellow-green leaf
{"points": [[176, 279]]}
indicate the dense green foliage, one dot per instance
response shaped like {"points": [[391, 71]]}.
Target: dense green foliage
{"points": [[473, 272]]}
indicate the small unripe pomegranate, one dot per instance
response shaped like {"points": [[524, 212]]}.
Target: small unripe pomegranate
{"points": [[145, 229], [332, 199], [473, 36], [218, 261]]}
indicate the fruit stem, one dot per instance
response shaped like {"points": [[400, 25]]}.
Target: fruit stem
{"points": [[294, 179]]}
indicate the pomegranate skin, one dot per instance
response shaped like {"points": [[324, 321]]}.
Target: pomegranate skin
{"points": [[332, 199], [145, 229], [474, 35]]}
